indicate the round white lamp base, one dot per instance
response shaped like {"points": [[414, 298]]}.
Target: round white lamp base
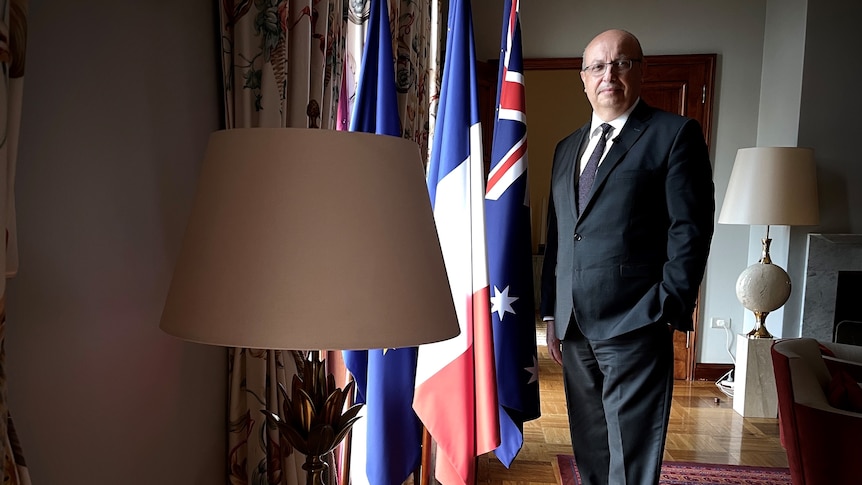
{"points": [[762, 288]]}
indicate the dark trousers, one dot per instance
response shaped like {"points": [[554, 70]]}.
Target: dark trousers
{"points": [[618, 393]]}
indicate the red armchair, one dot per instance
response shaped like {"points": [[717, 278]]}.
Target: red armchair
{"points": [[823, 442]]}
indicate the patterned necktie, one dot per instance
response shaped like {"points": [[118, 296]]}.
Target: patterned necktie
{"points": [[588, 175]]}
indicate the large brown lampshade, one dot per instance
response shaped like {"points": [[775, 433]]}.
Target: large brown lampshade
{"points": [[310, 239]]}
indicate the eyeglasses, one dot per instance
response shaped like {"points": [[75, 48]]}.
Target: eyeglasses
{"points": [[619, 65]]}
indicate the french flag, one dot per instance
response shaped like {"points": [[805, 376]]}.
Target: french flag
{"points": [[510, 260], [456, 385]]}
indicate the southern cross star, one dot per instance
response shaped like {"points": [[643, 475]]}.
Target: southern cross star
{"points": [[534, 371], [502, 302]]}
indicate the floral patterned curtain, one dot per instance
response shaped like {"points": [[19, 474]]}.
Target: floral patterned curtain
{"points": [[285, 63], [282, 62], [282, 67], [13, 37]]}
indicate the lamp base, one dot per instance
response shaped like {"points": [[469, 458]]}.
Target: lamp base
{"points": [[763, 287], [759, 326], [313, 417]]}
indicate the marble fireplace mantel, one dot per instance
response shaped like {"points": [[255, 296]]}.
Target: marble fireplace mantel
{"points": [[827, 255]]}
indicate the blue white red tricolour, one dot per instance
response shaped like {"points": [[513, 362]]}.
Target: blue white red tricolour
{"points": [[456, 396]]}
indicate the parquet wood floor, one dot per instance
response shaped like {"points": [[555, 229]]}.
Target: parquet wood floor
{"points": [[701, 430]]}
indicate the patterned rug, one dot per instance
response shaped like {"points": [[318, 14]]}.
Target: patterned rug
{"points": [[681, 473]]}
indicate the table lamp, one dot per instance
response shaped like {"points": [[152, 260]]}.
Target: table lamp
{"points": [[310, 239], [769, 186]]}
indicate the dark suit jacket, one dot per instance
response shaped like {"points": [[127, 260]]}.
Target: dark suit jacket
{"points": [[637, 253]]}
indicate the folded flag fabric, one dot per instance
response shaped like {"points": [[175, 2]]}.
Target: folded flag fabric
{"points": [[385, 378]]}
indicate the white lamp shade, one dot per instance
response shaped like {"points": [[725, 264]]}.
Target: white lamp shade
{"points": [[310, 239], [772, 186]]}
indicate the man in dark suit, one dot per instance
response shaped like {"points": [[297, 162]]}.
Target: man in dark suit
{"points": [[629, 229]]}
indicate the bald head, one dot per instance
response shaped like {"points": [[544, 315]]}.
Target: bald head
{"points": [[612, 88], [617, 35]]}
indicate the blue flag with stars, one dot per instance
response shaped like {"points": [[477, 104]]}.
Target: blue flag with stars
{"points": [[384, 378], [510, 261]]}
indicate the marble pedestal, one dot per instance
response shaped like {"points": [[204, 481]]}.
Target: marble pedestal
{"points": [[754, 394]]}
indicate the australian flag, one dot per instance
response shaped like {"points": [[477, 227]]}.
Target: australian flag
{"points": [[384, 377], [510, 249]]}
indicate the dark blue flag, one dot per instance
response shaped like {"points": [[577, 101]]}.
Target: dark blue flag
{"points": [[510, 258], [384, 377]]}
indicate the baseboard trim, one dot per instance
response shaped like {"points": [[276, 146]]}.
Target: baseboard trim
{"points": [[710, 372]]}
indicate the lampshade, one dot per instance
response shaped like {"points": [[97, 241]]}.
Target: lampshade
{"points": [[772, 186], [310, 239]]}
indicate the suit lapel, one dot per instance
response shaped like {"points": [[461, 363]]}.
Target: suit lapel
{"points": [[633, 129]]}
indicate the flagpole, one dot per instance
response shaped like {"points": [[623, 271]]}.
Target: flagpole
{"points": [[425, 467], [344, 476]]}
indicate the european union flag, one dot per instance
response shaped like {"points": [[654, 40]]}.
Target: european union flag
{"points": [[384, 377]]}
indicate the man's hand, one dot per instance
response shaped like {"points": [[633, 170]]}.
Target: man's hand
{"points": [[554, 345]]}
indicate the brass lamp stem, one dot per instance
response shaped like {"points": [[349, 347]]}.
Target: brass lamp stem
{"points": [[760, 316], [314, 468], [764, 255]]}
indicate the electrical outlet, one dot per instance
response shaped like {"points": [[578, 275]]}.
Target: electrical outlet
{"points": [[718, 322]]}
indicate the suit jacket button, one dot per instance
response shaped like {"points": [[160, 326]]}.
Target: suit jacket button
{"points": [[578, 237]]}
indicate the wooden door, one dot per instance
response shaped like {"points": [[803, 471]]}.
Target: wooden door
{"points": [[680, 84], [683, 85]]}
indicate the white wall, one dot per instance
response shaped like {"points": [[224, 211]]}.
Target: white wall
{"points": [[830, 122], [778, 125], [830, 118], [119, 99], [732, 29]]}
